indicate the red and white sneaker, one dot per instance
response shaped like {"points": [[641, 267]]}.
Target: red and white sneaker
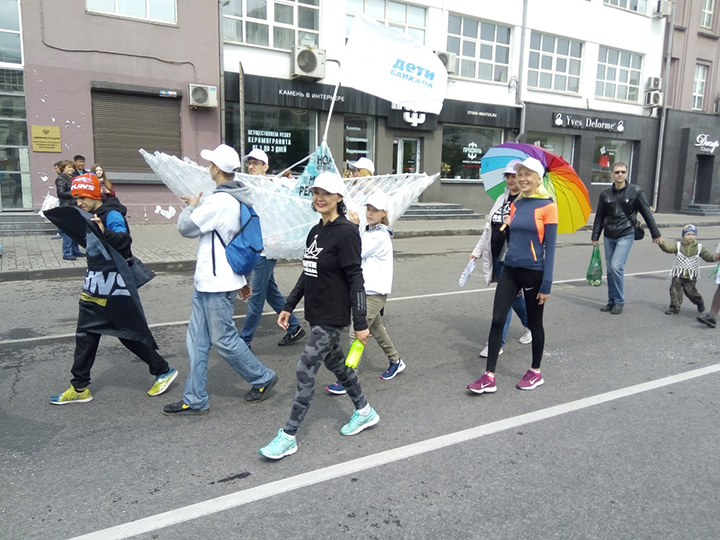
{"points": [[531, 380], [485, 384]]}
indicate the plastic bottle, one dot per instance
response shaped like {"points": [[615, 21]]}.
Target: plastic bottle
{"points": [[354, 354]]}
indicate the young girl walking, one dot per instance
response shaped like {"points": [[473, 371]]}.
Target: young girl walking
{"points": [[377, 266]]}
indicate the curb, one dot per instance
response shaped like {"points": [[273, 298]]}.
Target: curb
{"points": [[189, 265]]}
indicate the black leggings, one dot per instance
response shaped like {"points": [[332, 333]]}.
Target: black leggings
{"points": [[512, 280]]}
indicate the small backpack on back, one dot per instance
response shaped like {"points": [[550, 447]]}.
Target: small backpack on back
{"points": [[243, 251]]}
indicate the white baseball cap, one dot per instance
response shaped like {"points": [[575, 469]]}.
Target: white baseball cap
{"points": [[532, 164], [379, 200], [330, 182], [510, 169], [258, 154], [224, 157], [363, 163]]}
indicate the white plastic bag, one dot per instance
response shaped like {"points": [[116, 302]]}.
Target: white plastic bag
{"points": [[50, 202], [466, 273]]}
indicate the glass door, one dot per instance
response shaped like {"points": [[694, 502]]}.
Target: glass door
{"points": [[406, 155]]}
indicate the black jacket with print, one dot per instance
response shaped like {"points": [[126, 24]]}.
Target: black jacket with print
{"points": [[332, 281]]}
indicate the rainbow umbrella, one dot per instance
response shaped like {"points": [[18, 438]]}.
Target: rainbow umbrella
{"points": [[561, 181]]}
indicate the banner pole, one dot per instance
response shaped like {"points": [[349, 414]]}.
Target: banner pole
{"points": [[332, 105]]}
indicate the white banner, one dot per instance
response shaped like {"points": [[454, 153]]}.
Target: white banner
{"points": [[385, 63]]}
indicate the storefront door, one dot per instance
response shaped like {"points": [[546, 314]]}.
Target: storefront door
{"points": [[406, 155], [703, 179]]}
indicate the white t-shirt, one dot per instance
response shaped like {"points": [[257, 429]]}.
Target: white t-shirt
{"points": [[219, 212]]}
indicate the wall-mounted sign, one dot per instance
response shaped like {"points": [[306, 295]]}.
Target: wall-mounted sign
{"points": [[46, 139], [399, 117], [575, 121], [705, 144]]}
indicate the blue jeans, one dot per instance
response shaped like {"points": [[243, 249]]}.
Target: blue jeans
{"points": [[616, 254], [211, 324], [69, 248], [264, 288], [518, 304]]}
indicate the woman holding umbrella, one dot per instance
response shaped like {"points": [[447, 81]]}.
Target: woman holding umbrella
{"points": [[493, 246], [529, 261]]}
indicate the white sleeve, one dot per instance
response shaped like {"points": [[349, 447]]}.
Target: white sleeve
{"points": [[208, 214]]}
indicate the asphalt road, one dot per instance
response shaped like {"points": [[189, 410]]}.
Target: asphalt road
{"points": [[621, 442]]}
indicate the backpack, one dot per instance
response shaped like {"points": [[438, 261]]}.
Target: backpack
{"points": [[243, 251]]}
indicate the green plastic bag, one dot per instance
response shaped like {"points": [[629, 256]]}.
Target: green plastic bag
{"points": [[595, 271], [714, 271]]}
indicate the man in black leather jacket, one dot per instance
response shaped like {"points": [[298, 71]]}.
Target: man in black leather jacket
{"points": [[616, 215]]}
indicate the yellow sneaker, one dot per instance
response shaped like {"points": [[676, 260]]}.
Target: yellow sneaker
{"points": [[71, 396], [162, 382]]}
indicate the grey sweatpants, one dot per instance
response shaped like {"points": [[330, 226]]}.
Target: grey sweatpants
{"points": [[322, 347]]}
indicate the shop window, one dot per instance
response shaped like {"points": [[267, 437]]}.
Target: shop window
{"points": [[698, 99], [400, 16], [606, 153], [10, 52], [554, 63], [15, 189], [462, 149], [123, 123], [640, 6], [560, 145], [279, 24], [358, 138], [287, 135], [706, 14], [618, 75], [482, 48], [149, 10]]}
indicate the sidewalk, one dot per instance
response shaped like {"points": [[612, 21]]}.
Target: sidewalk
{"points": [[162, 248]]}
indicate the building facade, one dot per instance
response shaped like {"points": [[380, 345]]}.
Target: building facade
{"points": [[689, 172], [501, 87], [102, 79], [518, 70]]}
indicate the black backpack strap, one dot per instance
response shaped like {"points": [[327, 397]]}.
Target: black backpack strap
{"points": [[212, 240]]}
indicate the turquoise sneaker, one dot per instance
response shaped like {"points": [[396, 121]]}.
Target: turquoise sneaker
{"points": [[71, 396], [281, 446], [358, 422], [162, 382]]}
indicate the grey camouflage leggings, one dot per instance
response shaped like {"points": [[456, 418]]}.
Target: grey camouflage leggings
{"points": [[323, 346]]}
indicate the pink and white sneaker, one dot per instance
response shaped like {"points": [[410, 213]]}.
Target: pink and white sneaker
{"points": [[531, 380], [485, 384]]}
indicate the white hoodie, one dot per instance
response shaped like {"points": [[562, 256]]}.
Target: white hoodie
{"points": [[377, 259]]}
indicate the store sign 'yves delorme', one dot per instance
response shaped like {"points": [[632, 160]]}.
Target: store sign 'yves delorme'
{"points": [[575, 121]]}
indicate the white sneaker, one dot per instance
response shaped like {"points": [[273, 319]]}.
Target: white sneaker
{"points": [[484, 352], [526, 337]]}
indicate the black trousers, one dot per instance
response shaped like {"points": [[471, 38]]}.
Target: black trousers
{"points": [[513, 280], [86, 346]]}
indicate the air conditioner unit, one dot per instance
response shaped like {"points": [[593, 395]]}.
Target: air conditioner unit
{"points": [[308, 63], [202, 95], [653, 98], [663, 9], [653, 83], [449, 60]]}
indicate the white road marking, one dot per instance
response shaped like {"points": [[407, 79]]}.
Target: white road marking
{"points": [[299, 310], [240, 498]]}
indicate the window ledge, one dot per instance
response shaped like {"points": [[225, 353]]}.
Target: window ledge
{"points": [[615, 100], [133, 178], [708, 35], [133, 19], [556, 92]]}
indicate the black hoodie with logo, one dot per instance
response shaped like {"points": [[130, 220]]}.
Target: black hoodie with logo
{"points": [[332, 280]]}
